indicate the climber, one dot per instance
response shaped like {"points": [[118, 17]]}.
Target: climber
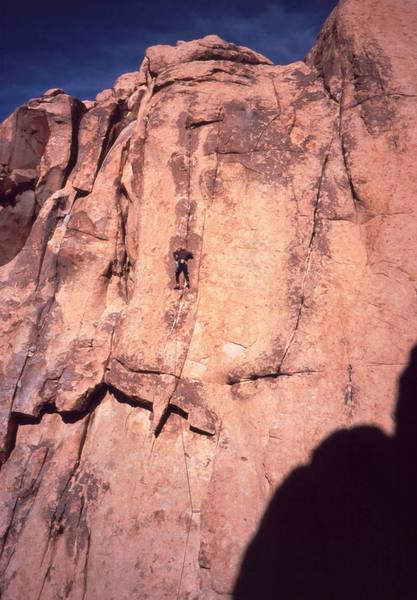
{"points": [[182, 256]]}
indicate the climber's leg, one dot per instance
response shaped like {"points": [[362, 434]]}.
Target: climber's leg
{"points": [[177, 276], [186, 276]]}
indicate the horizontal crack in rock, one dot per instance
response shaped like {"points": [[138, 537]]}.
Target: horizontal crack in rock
{"points": [[93, 399], [144, 371], [272, 375]]}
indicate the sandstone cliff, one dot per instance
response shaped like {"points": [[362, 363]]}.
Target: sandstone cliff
{"points": [[144, 429]]}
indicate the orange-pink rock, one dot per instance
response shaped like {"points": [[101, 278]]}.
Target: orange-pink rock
{"points": [[144, 429]]}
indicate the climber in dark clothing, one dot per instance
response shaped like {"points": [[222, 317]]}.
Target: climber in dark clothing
{"points": [[182, 256]]}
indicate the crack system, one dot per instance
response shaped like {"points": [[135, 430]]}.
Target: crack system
{"points": [[42, 310], [92, 401], [355, 196], [168, 408], [16, 419], [315, 222], [309, 251], [21, 497], [93, 398]]}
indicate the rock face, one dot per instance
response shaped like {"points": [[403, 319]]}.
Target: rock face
{"points": [[144, 429], [38, 147]]}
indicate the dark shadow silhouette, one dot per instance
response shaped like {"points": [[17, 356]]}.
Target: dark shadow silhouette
{"points": [[344, 526]]}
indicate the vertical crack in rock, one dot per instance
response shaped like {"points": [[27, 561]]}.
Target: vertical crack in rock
{"points": [[315, 222], [375, 72], [150, 79], [274, 118], [159, 425], [57, 516], [191, 514], [106, 364], [77, 113], [142, 129], [46, 576], [276, 95], [13, 512], [24, 501], [45, 307], [5, 537], [165, 413], [355, 196], [349, 387], [115, 118], [269, 482], [50, 228], [122, 266], [214, 183], [212, 195], [339, 99], [189, 174], [86, 562], [203, 559], [56, 526], [210, 204]]}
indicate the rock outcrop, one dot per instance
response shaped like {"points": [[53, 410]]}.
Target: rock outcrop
{"points": [[144, 429], [38, 147]]}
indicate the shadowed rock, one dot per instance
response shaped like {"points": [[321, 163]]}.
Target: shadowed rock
{"points": [[345, 524]]}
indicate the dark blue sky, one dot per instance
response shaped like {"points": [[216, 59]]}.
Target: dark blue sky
{"points": [[84, 46]]}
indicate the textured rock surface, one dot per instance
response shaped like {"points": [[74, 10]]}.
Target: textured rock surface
{"points": [[38, 147], [143, 430]]}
